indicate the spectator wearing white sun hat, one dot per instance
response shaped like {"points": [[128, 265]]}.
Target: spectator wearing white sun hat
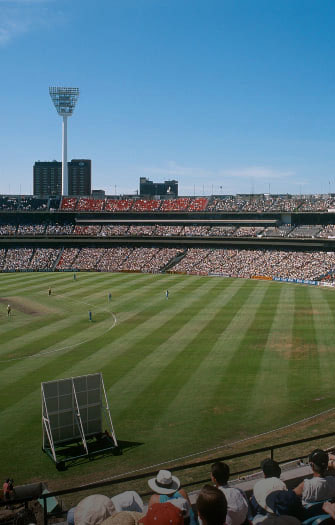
{"points": [[167, 488]]}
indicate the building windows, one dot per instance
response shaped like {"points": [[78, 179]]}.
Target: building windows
{"points": [[48, 178]]}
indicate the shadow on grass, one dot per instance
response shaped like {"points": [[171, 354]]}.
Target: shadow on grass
{"points": [[74, 454]]}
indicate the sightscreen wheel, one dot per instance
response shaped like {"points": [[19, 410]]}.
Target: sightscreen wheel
{"points": [[60, 465]]}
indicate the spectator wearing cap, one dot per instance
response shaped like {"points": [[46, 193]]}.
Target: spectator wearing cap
{"points": [[283, 506], [167, 488], [319, 487], [163, 514], [211, 506], [271, 470], [236, 500]]}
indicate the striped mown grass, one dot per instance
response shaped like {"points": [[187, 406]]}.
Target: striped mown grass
{"points": [[219, 361]]}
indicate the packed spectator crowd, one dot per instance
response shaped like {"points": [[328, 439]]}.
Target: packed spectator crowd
{"points": [[8, 229], [30, 229], [46, 229], [111, 230], [85, 204], [146, 205], [328, 231], [44, 258], [256, 263], [222, 203], [17, 259], [245, 263], [59, 229], [67, 258], [90, 229]]}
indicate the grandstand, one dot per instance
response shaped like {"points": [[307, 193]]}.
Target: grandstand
{"points": [[213, 226], [288, 238]]}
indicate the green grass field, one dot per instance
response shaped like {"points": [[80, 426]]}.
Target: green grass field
{"points": [[220, 360]]}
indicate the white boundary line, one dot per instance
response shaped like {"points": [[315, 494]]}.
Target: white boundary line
{"points": [[182, 458], [44, 353]]}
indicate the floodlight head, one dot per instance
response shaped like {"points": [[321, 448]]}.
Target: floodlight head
{"points": [[64, 99]]}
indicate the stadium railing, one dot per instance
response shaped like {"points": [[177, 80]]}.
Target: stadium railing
{"points": [[192, 466]]}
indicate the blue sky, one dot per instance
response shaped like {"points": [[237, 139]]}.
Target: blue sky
{"points": [[231, 94]]}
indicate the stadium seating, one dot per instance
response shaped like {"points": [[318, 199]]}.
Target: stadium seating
{"points": [[9, 202], [179, 204], [194, 231], [246, 263], [68, 203], [305, 230], [110, 230], [198, 204], [8, 229], [30, 203], [44, 258], [67, 258], [31, 229], [139, 230], [118, 204], [86, 204], [146, 205], [59, 229], [248, 231], [168, 231], [90, 229]]}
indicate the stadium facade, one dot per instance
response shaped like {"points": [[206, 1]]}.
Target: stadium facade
{"points": [[272, 237]]}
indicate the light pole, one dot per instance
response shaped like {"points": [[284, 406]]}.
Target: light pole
{"points": [[65, 100]]}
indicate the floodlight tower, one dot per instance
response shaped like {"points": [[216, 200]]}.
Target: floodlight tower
{"points": [[64, 99]]}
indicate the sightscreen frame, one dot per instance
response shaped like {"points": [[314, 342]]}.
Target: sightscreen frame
{"points": [[74, 409]]}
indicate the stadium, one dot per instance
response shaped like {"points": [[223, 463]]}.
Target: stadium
{"points": [[167, 348], [238, 353]]}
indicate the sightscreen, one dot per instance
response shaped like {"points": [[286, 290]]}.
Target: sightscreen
{"points": [[64, 398]]}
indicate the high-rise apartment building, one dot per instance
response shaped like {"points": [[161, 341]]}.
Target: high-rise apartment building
{"points": [[48, 178], [79, 177]]}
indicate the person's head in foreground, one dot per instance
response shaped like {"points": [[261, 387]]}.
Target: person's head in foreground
{"points": [[220, 473], [163, 514], [271, 468], [318, 460], [212, 506]]}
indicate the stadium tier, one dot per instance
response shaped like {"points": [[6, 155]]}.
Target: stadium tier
{"points": [[285, 237], [224, 203]]}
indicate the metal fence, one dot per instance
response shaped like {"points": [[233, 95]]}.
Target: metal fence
{"points": [[197, 479]]}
